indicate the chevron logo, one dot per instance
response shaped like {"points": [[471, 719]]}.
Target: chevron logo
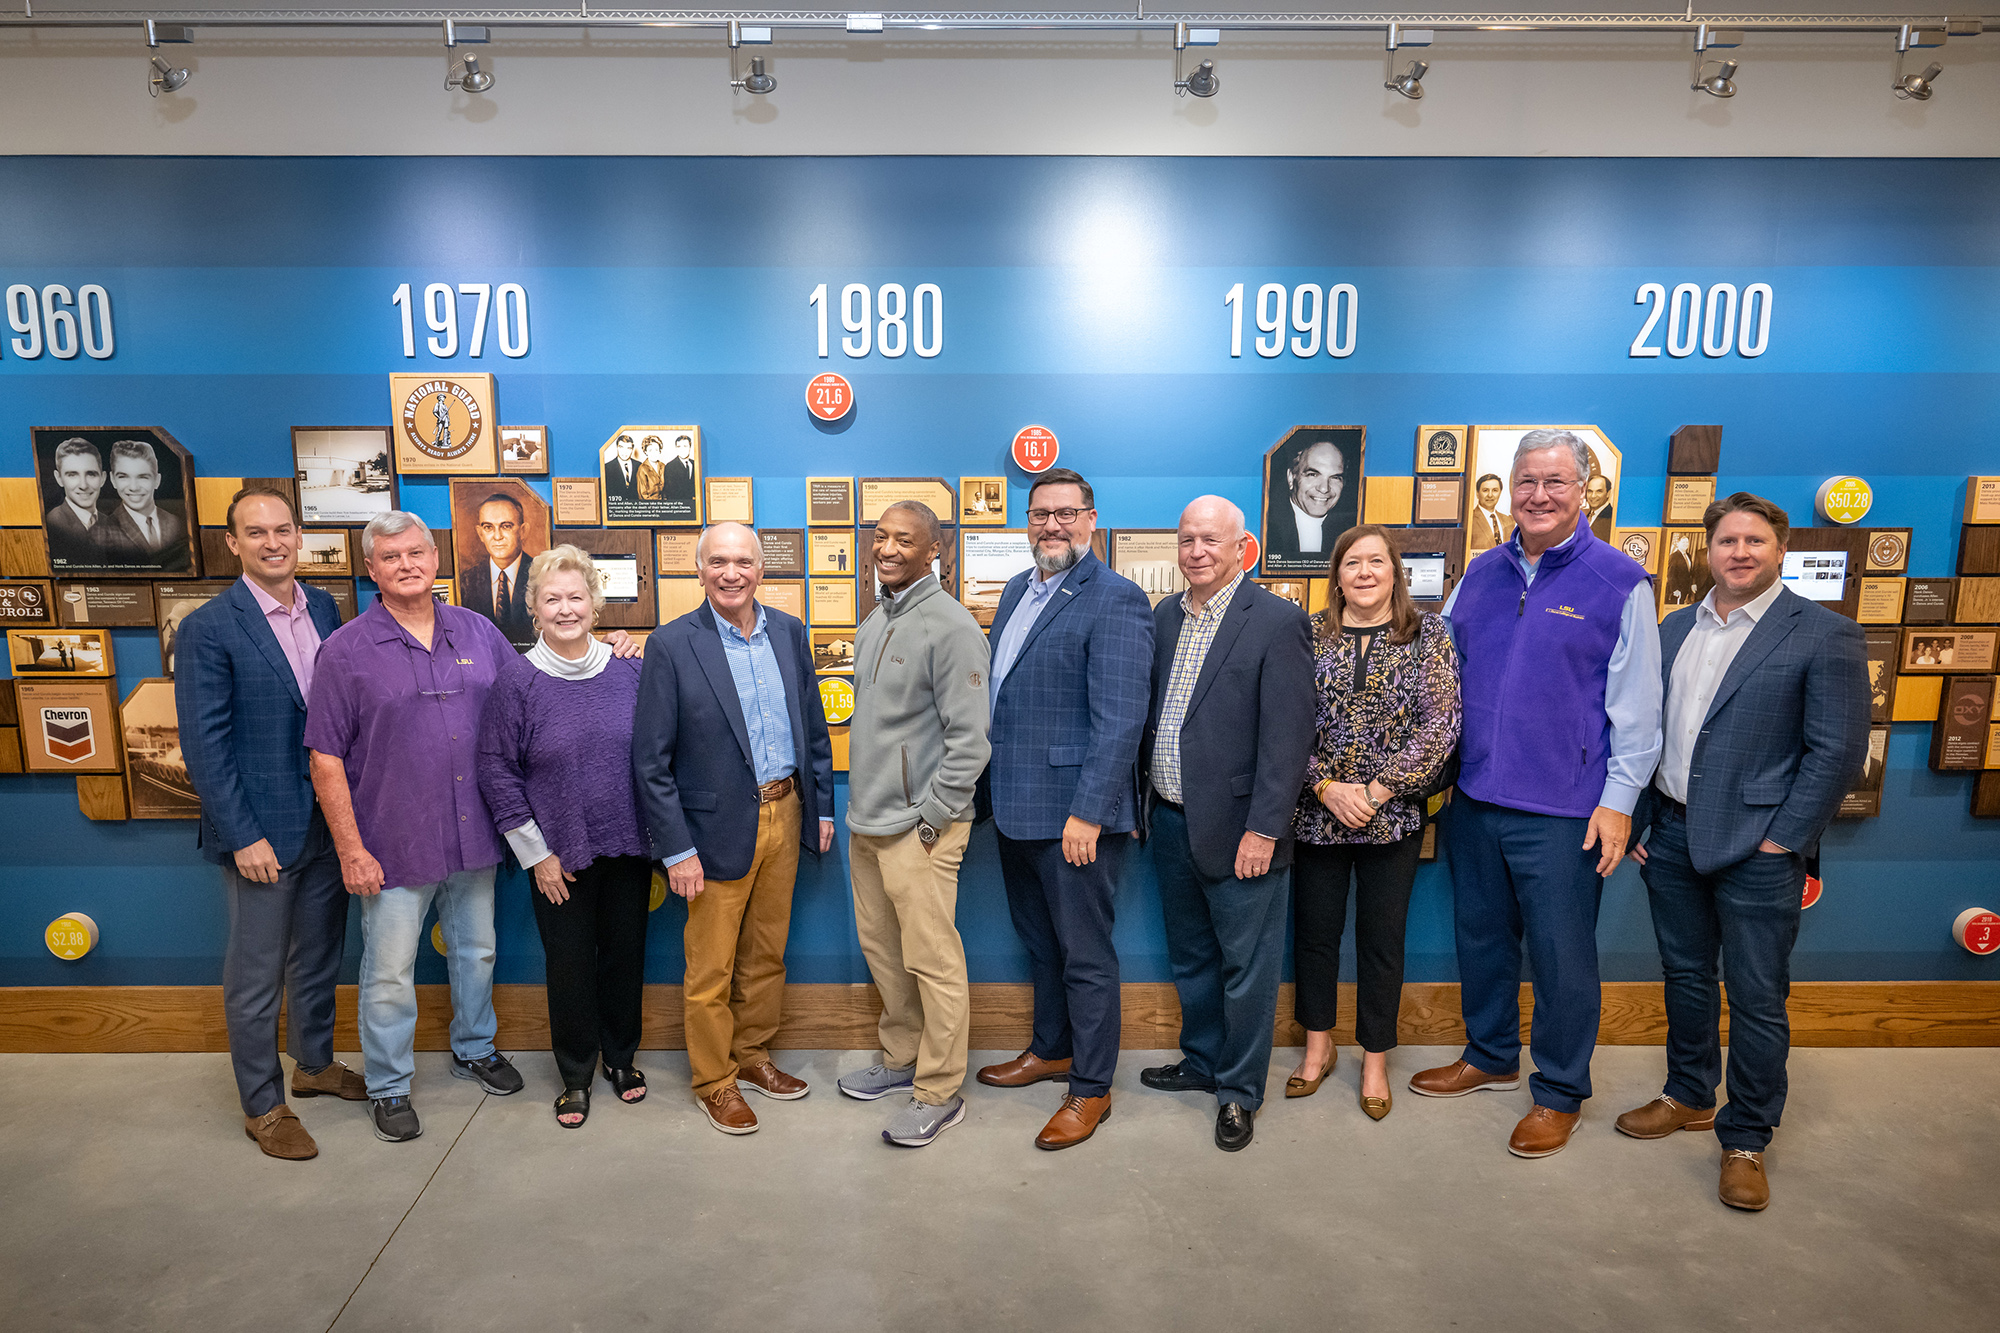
{"points": [[67, 734]]}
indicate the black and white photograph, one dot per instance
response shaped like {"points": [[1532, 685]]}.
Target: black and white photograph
{"points": [[177, 601], [652, 474], [115, 501], [344, 473], [156, 777], [524, 449], [1884, 648], [1685, 577], [1864, 801], [1312, 494], [1489, 511]]}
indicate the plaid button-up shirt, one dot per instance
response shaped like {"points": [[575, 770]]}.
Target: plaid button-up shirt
{"points": [[1197, 633]]}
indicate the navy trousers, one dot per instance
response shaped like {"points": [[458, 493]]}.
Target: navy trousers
{"points": [[1521, 878], [1063, 914], [1226, 941], [285, 943], [1746, 914]]}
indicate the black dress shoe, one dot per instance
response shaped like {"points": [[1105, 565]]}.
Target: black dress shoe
{"points": [[1175, 1078], [1234, 1126]]}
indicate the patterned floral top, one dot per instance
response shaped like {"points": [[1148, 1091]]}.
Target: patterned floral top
{"points": [[1398, 725]]}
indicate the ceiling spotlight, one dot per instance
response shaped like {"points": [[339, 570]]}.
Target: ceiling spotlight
{"points": [[464, 75], [1722, 85], [164, 77], [1410, 83], [757, 81], [1204, 82], [1918, 87]]}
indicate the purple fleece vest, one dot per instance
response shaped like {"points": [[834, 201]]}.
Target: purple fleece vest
{"points": [[1536, 659]]}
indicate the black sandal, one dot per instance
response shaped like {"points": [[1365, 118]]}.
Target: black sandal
{"points": [[623, 1081], [574, 1101]]}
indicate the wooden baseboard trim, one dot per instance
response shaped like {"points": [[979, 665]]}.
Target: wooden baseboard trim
{"points": [[839, 1017]]}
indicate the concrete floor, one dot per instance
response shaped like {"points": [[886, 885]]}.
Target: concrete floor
{"points": [[138, 1204]]}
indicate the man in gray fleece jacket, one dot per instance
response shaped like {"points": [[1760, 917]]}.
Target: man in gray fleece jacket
{"points": [[916, 746]]}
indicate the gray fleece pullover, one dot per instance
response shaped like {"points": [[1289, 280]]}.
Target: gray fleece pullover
{"points": [[917, 742]]}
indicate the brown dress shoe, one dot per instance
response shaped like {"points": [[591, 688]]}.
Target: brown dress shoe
{"points": [[1076, 1120], [279, 1133], [1458, 1078], [1661, 1117], [773, 1082], [1543, 1132], [336, 1080], [1744, 1184], [1023, 1069], [728, 1112]]}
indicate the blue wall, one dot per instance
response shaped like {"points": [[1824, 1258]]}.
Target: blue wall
{"points": [[1081, 294]]}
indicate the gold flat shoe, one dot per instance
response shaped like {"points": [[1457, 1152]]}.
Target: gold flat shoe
{"points": [[1306, 1087], [1377, 1107]]}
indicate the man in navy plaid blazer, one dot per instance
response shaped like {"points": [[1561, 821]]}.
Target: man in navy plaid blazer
{"points": [[1766, 728], [1070, 680], [243, 671]]}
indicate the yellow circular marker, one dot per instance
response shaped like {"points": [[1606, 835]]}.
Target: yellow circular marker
{"points": [[658, 895], [1844, 500], [437, 936], [837, 698], [71, 936]]}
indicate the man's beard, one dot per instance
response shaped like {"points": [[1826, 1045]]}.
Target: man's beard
{"points": [[1056, 564]]}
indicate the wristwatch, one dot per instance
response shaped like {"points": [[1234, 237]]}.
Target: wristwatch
{"points": [[926, 834], [1369, 796]]}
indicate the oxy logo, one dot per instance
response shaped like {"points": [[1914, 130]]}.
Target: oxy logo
{"points": [[67, 734]]}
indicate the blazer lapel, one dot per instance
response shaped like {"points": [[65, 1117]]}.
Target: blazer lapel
{"points": [[1225, 637], [1080, 574], [259, 630], [326, 615], [1778, 622], [715, 665]]}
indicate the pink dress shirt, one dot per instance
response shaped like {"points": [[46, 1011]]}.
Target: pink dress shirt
{"points": [[298, 637]]}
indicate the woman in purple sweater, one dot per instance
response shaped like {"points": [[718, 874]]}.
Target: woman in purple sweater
{"points": [[552, 765]]}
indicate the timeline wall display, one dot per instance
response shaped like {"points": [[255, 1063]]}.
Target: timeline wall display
{"points": [[444, 424], [106, 603], [343, 473], [678, 551], [1880, 601], [116, 501], [1312, 494], [652, 475], [577, 503], [498, 526], [1688, 498], [1439, 500]]}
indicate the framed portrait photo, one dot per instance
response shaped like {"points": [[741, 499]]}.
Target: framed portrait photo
{"points": [[524, 450], [116, 501], [498, 526], [1489, 505], [651, 476], [1312, 494], [343, 473]]}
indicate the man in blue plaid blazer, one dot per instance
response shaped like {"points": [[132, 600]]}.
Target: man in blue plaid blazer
{"points": [[1766, 728], [243, 670], [1070, 680]]}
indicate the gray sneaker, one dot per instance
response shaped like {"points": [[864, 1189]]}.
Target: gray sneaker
{"points": [[877, 1081], [918, 1123]]}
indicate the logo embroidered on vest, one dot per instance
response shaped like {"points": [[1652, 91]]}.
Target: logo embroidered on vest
{"points": [[1569, 611]]}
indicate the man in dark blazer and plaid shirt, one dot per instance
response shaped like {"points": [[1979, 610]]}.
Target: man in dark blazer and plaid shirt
{"points": [[1070, 679], [1766, 728]]}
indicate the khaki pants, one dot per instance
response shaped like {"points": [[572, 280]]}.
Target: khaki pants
{"points": [[905, 899], [735, 943]]}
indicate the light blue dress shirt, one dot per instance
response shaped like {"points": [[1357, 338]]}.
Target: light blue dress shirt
{"points": [[1033, 602], [1633, 692]]}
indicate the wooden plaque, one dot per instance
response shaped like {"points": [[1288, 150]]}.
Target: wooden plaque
{"points": [[216, 557], [787, 595], [1986, 796], [177, 601], [1150, 557], [830, 501], [1885, 651], [102, 796], [1978, 602], [674, 550], [444, 424], [1880, 601], [1439, 500], [982, 502], [157, 785], [830, 552], [69, 726], [624, 557], [344, 474], [1917, 698], [833, 651], [105, 603], [524, 450], [576, 502], [1642, 544], [1889, 550], [1389, 501], [1949, 651], [1982, 499], [831, 601], [1441, 449], [1688, 499], [343, 593], [1958, 737], [878, 493], [1929, 601], [326, 553], [784, 552], [1978, 550], [23, 554], [1432, 561], [729, 500], [60, 652], [674, 598], [1694, 450], [27, 603]]}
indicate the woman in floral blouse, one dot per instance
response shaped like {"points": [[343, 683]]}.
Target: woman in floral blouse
{"points": [[1387, 724]]}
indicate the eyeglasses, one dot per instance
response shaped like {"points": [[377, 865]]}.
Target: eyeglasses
{"points": [[1526, 486], [1063, 516]]}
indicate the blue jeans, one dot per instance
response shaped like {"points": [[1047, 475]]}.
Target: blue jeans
{"points": [[392, 930], [1746, 914], [1226, 941]]}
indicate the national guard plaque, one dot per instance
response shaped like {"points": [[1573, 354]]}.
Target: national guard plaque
{"points": [[444, 424]]}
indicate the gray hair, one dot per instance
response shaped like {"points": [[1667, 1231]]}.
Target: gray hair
{"points": [[701, 543], [1553, 439], [394, 523], [564, 559]]}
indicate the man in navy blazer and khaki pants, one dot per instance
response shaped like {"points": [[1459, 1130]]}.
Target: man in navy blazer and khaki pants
{"points": [[735, 771], [244, 668], [1766, 729], [1072, 646], [1225, 756]]}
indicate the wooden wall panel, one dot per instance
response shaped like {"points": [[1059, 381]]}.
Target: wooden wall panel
{"points": [[832, 1017]]}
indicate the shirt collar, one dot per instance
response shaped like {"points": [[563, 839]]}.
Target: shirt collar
{"points": [[1215, 605], [509, 570], [1754, 608], [1041, 589], [891, 598], [1302, 518], [725, 629], [89, 516], [267, 603]]}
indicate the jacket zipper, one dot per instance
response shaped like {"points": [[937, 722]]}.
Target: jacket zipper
{"points": [[883, 652], [906, 776]]}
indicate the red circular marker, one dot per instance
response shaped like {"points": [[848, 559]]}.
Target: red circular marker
{"points": [[829, 397], [1251, 552], [1814, 888], [1035, 449], [1978, 930]]}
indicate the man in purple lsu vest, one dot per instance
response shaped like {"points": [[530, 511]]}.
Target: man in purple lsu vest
{"points": [[1561, 684]]}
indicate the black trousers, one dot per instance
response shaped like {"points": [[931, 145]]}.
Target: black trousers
{"points": [[1063, 915], [1383, 873], [596, 949]]}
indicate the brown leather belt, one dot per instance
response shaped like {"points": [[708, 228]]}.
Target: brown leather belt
{"points": [[777, 791]]}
